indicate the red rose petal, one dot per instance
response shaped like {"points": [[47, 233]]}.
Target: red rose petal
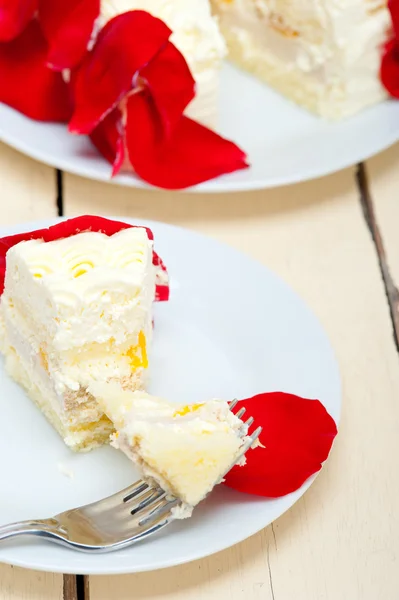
{"points": [[68, 26], [297, 435], [171, 95], [393, 6], [125, 45], [27, 84], [76, 225], [171, 84], [15, 16], [191, 155], [390, 68], [108, 139]]}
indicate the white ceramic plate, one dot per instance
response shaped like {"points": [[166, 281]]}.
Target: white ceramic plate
{"points": [[231, 329], [285, 144]]}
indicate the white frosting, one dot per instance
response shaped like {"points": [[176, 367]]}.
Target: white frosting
{"points": [[336, 42], [83, 303], [83, 289], [196, 34]]}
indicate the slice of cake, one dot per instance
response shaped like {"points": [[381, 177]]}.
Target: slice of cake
{"points": [[74, 311], [197, 36], [324, 55], [186, 450]]}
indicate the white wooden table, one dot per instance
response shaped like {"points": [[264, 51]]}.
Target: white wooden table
{"points": [[336, 241]]}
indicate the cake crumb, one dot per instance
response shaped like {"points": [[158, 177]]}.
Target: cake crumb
{"points": [[64, 470]]}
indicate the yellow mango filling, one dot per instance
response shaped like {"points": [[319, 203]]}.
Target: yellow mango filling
{"points": [[185, 410], [138, 354]]}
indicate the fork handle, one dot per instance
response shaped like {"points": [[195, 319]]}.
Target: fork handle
{"points": [[39, 527]]}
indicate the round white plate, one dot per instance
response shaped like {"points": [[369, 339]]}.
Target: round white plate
{"points": [[231, 329], [285, 144]]}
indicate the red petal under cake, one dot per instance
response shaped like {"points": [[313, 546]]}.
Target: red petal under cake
{"points": [[390, 68], [297, 437], [393, 6], [74, 226]]}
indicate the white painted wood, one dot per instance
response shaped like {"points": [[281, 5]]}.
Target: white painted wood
{"points": [[23, 584], [27, 188], [383, 171]]}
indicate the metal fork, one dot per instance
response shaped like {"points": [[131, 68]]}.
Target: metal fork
{"points": [[117, 521]]}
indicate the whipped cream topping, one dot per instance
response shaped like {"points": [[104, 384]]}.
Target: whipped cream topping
{"points": [[336, 42], [84, 289], [82, 306]]}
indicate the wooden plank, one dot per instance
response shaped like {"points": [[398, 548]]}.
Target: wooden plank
{"points": [[27, 188], [342, 539], [382, 175], [76, 587], [23, 584], [70, 591], [27, 192]]}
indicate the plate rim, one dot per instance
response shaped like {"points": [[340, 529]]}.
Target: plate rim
{"points": [[295, 496], [209, 187], [220, 185]]}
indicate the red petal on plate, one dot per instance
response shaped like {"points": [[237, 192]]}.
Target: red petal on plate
{"points": [[389, 71], [27, 84], [191, 155], [15, 16], [108, 138], [297, 435], [125, 45], [76, 225], [68, 27], [171, 84]]}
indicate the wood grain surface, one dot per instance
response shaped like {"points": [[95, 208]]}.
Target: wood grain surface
{"points": [[383, 177]]}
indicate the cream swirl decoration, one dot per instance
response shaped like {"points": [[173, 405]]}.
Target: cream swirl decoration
{"points": [[76, 256]]}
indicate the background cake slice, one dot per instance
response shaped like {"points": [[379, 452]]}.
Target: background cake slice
{"points": [[323, 55], [74, 311], [185, 449], [197, 36]]}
